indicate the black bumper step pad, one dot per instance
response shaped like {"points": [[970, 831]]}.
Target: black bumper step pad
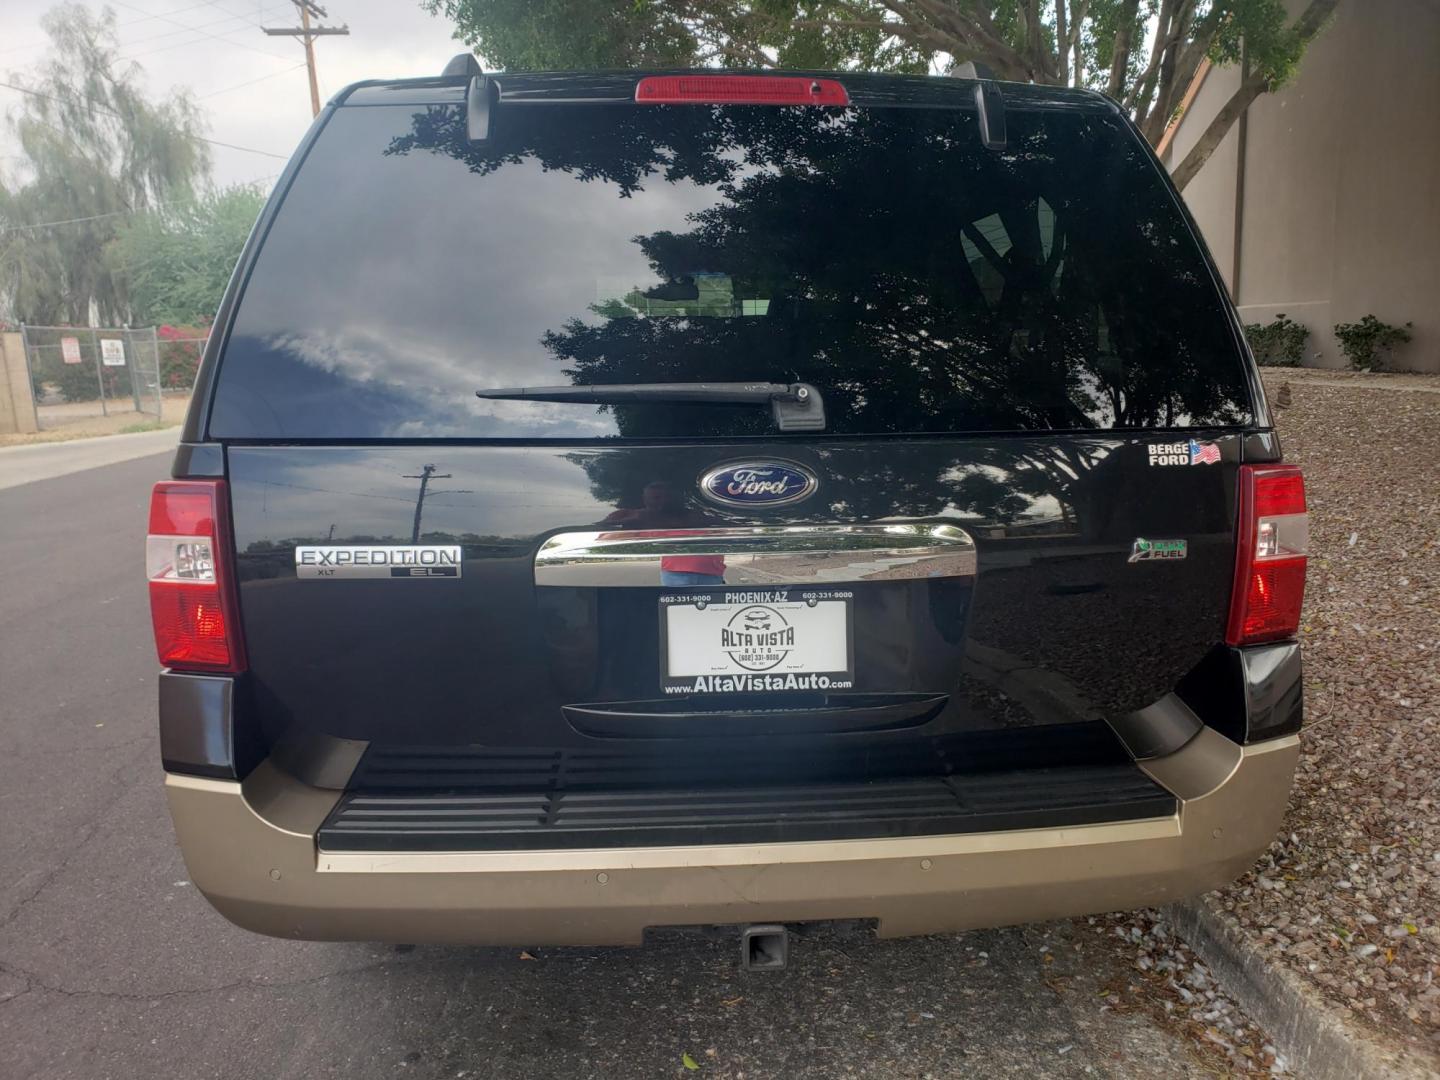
{"points": [[773, 762], [510, 800]]}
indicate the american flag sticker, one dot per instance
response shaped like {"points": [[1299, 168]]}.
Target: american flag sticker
{"points": [[1185, 452], [1204, 453]]}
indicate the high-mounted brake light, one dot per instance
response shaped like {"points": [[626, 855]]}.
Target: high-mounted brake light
{"points": [[739, 90], [1274, 536], [192, 597]]}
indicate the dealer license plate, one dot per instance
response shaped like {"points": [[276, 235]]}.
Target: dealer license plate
{"points": [[733, 641]]}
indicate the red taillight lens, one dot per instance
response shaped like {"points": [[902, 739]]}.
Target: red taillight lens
{"points": [[192, 599], [1279, 492], [182, 508], [190, 627], [1274, 536], [739, 90]]}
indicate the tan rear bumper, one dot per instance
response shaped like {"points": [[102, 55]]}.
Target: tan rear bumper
{"points": [[250, 849]]}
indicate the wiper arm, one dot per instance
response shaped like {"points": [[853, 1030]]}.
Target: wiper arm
{"points": [[796, 406]]}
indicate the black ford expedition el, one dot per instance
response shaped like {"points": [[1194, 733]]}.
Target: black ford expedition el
{"points": [[617, 501]]}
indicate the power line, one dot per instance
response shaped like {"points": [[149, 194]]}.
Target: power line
{"points": [[215, 37], [252, 82], [187, 41], [246, 149], [111, 112], [124, 55], [259, 5], [200, 29], [263, 10], [67, 221], [113, 213], [36, 46]]}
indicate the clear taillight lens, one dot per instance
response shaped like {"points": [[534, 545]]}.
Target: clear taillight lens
{"points": [[1274, 537], [192, 602], [179, 558]]}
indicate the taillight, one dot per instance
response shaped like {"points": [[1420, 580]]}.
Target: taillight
{"points": [[1270, 561], [739, 90], [192, 597]]}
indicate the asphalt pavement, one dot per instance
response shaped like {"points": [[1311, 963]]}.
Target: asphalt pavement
{"points": [[111, 964]]}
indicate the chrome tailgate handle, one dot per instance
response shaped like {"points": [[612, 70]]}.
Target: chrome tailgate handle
{"points": [[764, 554]]}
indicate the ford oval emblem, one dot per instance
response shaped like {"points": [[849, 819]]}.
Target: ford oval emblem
{"points": [[759, 483]]}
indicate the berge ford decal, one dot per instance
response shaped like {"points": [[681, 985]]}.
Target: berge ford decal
{"points": [[1189, 452], [408, 561]]}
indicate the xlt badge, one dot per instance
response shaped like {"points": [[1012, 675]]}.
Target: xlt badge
{"points": [[378, 561]]}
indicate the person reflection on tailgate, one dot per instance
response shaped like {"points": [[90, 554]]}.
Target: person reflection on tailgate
{"points": [[662, 508]]}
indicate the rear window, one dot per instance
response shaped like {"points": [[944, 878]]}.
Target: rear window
{"points": [[923, 283]]}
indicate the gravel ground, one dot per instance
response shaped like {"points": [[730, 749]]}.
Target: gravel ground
{"points": [[1349, 895], [1377, 380], [1172, 986]]}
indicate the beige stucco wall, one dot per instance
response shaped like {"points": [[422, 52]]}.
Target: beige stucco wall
{"points": [[17, 407], [1211, 195], [1341, 181]]}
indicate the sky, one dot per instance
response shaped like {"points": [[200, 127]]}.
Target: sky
{"points": [[252, 87]]}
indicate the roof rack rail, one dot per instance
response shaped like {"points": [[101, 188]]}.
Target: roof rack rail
{"points": [[462, 64], [990, 106], [989, 102], [972, 69], [480, 101], [480, 96]]}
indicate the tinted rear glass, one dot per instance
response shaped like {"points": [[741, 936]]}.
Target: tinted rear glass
{"points": [[920, 281]]}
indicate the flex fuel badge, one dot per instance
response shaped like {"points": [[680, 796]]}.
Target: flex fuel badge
{"points": [[1189, 452], [1144, 550]]}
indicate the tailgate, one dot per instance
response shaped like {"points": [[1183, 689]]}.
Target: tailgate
{"points": [[963, 586]]}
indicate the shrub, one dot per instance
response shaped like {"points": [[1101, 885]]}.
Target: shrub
{"points": [[1368, 342], [180, 349], [73, 382], [1280, 342]]}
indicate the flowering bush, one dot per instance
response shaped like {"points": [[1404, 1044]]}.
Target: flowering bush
{"points": [[180, 350]]}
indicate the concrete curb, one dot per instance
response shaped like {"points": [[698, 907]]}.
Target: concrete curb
{"points": [[1310, 1034], [118, 440], [29, 462]]}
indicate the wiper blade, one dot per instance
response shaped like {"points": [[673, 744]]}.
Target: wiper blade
{"points": [[729, 393], [796, 406]]}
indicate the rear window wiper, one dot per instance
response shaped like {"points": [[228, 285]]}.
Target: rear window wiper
{"points": [[796, 406]]}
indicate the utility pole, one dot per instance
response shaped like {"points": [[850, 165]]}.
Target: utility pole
{"points": [[425, 475], [307, 33]]}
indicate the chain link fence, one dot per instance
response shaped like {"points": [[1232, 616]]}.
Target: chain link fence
{"points": [[81, 375]]}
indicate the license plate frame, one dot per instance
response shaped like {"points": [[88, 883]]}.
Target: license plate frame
{"points": [[779, 640]]}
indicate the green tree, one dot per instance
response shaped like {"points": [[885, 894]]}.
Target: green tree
{"points": [[94, 150], [176, 260], [1094, 43]]}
